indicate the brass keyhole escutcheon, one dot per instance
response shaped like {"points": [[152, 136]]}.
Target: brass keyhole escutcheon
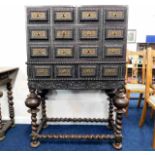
{"points": [[63, 15], [88, 51], [89, 15]]}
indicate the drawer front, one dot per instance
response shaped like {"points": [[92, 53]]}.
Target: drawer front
{"points": [[89, 15], [110, 71], [64, 71], [64, 51], [113, 50], [114, 33], [63, 16], [42, 71], [39, 34], [64, 34], [115, 15], [89, 34], [88, 71], [39, 51], [88, 51], [38, 16]]}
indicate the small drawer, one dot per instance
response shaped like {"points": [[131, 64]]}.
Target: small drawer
{"points": [[115, 15], [39, 16], [89, 34], [42, 71], [39, 51], [88, 71], [113, 50], [89, 15], [64, 16], [64, 34], [110, 71], [64, 51], [64, 71], [88, 51], [39, 34], [114, 33]]}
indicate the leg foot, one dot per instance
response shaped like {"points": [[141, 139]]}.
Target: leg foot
{"points": [[36, 144], [117, 146]]}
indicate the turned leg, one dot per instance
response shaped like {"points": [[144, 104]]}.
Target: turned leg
{"points": [[10, 101], [139, 100], [127, 108], [33, 102], [2, 136], [120, 102], [111, 95], [143, 115], [1, 125], [42, 94]]}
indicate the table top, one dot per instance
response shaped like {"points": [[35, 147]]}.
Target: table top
{"points": [[7, 69]]}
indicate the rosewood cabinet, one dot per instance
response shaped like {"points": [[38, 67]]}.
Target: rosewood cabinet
{"points": [[76, 48]]}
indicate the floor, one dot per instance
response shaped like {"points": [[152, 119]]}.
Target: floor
{"points": [[135, 138]]}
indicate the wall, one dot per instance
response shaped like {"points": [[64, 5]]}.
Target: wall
{"points": [[13, 53]]}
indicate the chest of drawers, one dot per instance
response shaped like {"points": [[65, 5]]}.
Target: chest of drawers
{"points": [[76, 48]]}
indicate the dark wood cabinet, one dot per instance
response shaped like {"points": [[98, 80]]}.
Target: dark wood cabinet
{"points": [[76, 48]]}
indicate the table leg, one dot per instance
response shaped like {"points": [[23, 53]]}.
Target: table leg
{"points": [[1, 125], [10, 101], [32, 102], [120, 102], [42, 94], [111, 94]]}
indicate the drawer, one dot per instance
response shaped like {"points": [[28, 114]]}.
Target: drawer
{"points": [[89, 14], [39, 51], [38, 15], [64, 51], [115, 15], [64, 34], [89, 33], [64, 71], [110, 71], [63, 14], [113, 50], [90, 51], [39, 34], [42, 71], [114, 33], [88, 70]]}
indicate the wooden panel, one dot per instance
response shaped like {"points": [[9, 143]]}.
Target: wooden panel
{"points": [[39, 51], [64, 52], [63, 16], [111, 71], [89, 15], [115, 15], [114, 33], [42, 71], [88, 71], [88, 34], [39, 34], [88, 52], [64, 71], [64, 34]]}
